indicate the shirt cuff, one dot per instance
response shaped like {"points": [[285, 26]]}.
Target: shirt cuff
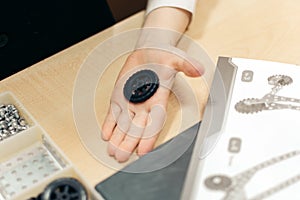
{"points": [[188, 5]]}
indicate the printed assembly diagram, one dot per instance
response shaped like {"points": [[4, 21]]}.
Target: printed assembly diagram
{"points": [[270, 101], [234, 187]]}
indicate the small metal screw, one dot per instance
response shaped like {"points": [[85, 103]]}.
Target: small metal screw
{"points": [[10, 121]]}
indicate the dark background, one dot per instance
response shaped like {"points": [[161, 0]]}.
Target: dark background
{"points": [[33, 30]]}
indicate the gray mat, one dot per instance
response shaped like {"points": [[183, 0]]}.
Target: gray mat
{"points": [[165, 183]]}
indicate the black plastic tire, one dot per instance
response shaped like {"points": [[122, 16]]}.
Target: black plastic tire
{"points": [[141, 86], [65, 189]]}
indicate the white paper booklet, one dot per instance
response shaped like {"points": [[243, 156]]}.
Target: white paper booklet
{"points": [[255, 153]]}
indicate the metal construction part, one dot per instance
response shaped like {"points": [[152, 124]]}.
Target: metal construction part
{"points": [[11, 122], [141, 86], [234, 186], [270, 101], [27, 169]]}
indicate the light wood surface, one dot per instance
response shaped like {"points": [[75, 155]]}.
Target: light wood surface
{"points": [[267, 30]]}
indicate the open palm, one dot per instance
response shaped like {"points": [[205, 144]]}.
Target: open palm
{"points": [[129, 126]]}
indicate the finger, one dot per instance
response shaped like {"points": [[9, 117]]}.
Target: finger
{"points": [[146, 145], [156, 121], [191, 67], [115, 141], [157, 118], [132, 138], [125, 120], [110, 121], [119, 132], [187, 64]]}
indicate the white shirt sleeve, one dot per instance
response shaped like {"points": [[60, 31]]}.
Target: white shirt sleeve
{"points": [[188, 5]]}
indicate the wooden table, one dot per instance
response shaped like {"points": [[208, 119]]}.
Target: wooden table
{"points": [[256, 29]]}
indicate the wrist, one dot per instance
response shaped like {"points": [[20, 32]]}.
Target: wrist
{"points": [[164, 26], [172, 18], [156, 37]]}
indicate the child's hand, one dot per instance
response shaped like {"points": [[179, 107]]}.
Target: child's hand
{"points": [[129, 126]]}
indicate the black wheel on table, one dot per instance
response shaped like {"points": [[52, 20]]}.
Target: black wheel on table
{"points": [[65, 189]]}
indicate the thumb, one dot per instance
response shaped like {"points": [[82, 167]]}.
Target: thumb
{"points": [[187, 64], [191, 67]]}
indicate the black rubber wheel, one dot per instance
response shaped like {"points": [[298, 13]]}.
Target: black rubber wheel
{"points": [[65, 189], [141, 86]]}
